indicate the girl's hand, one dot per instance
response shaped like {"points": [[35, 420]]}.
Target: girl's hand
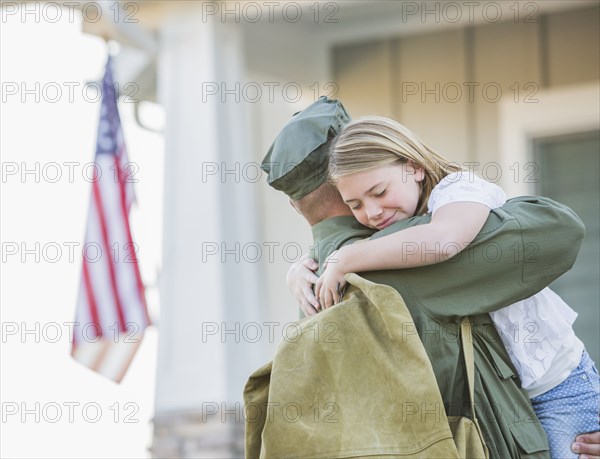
{"points": [[587, 445], [331, 282], [300, 280]]}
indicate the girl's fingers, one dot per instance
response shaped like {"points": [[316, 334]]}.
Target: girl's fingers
{"points": [[323, 297], [336, 295], [328, 299]]}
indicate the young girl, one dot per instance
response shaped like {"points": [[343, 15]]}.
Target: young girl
{"points": [[385, 174]]}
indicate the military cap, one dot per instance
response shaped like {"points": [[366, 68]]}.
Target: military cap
{"points": [[297, 161]]}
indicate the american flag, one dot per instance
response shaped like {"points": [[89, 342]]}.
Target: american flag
{"points": [[111, 307]]}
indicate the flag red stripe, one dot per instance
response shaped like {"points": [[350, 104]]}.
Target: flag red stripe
{"points": [[109, 261], [91, 299], [125, 213]]}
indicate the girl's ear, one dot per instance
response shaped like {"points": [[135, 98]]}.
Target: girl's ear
{"points": [[419, 172]]}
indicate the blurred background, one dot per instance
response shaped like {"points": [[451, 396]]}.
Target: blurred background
{"points": [[510, 89]]}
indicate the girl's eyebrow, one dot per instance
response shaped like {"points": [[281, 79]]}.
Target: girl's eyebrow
{"points": [[366, 192]]}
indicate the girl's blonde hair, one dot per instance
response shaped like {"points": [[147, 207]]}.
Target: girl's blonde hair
{"points": [[372, 142]]}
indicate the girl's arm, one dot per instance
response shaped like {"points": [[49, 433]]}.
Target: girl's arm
{"points": [[452, 228]]}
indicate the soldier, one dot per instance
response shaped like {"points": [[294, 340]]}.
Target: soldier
{"points": [[437, 296]]}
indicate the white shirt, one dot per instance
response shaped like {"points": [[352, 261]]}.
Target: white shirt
{"points": [[537, 331]]}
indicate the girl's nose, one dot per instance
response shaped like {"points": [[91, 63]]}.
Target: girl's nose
{"points": [[373, 211]]}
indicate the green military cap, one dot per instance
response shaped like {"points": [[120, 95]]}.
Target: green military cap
{"points": [[297, 161]]}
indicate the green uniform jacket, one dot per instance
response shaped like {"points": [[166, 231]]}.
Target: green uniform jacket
{"points": [[524, 245]]}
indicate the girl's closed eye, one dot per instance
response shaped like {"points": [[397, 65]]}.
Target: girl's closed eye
{"points": [[355, 206], [378, 195]]}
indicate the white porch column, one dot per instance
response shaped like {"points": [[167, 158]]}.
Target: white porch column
{"points": [[208, 291]]}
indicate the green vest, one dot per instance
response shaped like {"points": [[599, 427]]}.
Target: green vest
{"points": [[524, 246]]}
